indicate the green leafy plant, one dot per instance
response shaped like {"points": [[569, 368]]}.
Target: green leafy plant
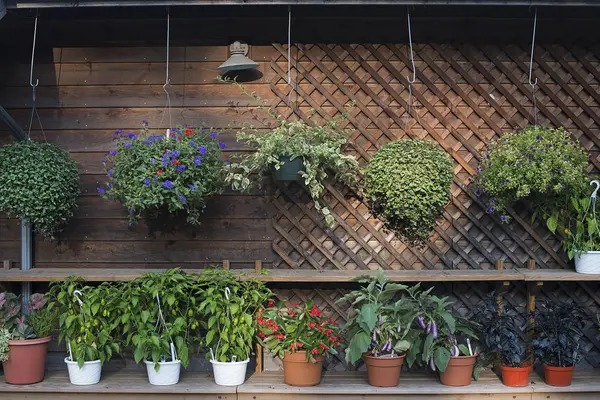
{"points": [[294, 327], [582, 233], [89, 318], [152, 175], [558, 328], [39, 182], [438, 330], [407, 182], [5, 336], [541, 166], [228, 313], [320, 145], [38, 322], [157, 311], [377, 327]]}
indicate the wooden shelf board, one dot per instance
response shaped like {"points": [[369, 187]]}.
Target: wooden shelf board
{"points": [[280, 275], [557, 275], [584, 381]]}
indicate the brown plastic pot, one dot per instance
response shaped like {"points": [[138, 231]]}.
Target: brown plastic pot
{"points": [[383, 371], [26, 361], [459, 371], [515, 376], [297, 371], [558, 376]]}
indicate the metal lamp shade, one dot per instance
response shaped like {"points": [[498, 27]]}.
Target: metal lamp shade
{"points": [[238, 59]]}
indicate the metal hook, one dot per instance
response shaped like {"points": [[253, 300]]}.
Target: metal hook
{"points": [[37, 81], [597, 184], [76, 294], [532, 50], [412, 58], [227, 293]]}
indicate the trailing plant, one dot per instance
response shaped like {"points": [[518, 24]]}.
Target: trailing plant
{"points": [[558, 328], [151, 174], [541, 166], [294, 327], [500, 337], [377, 327], [440, 334], [40, 183], [5, 336], [582, 232], [157, 310], [228, 313], [319, 144], [89, 318], [407, 182]]}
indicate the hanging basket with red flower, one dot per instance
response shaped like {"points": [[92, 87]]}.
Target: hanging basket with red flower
{"points": [[175, 173]]}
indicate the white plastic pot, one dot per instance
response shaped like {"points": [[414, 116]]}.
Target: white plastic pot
{"points": [[230, 373], [588, 263], [167, 374], [89, 374]]}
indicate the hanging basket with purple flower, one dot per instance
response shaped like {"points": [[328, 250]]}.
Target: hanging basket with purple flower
{"points": [[175, 173]]}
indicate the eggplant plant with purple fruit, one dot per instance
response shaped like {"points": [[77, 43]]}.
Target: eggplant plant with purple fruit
{"points": [[378, 326], [440, 334]]}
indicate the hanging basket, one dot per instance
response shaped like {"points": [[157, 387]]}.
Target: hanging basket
{"points": [[88, 374], [290, 170], [230, 373], [167, 374], [588, 262]]}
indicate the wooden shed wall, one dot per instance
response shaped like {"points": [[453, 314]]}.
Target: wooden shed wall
{"points": [[100, 75]]}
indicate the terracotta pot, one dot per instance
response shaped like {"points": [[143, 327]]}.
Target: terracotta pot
{"points": [[26, 361], [383, 371], [459, 371], [558, 376], [297, 371], [515, 376]]}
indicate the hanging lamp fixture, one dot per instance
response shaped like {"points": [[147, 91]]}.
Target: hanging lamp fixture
{"points": [[239, 59]]}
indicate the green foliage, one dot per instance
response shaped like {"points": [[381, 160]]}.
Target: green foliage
{"points": [[39, 182], [320, 145], [5, 336], [152, 175], [151, 328], [228, 312], [377, 326], [40, 322], [541, 166], [90, 328], [582, 234], [407, 183], [294, 327]]}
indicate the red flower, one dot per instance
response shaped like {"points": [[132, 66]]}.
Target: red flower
{"points": [[332, 339], [176, 162], [270, 322], [320, 328], [261, 335], [299, 344], [314, 312], [329, 321], [279, 336], [160, 172], [275, 328], [292, 313], [189, 132], [311, 324], [294, 304], [271, 303], [322, 346], [327, 332], [336, 323], [315, 351]]}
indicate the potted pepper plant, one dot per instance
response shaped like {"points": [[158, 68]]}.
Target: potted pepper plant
{"points": [[155, 321], [502, 343], [379, 331], [88, 324], [443, 340], [558, 328], [227, 314], [24, 338], [301, 337]]}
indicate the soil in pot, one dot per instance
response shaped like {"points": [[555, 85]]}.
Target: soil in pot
{"points": [[289, 170], [297, 371], [515, 376], [459, 371], [558, 376], [383, 371], [26, 361]]}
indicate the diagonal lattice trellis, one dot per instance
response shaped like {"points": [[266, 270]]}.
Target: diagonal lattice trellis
{"points": [[463, 97]]}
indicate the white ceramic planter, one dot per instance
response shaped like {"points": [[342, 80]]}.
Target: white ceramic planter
{"points": [[588, 263], [89, 374], [230, 373], [167, 374]]}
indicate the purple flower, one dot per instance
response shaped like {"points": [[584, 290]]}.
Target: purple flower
{"points": [[180, 168], [144, 122], [168, 184], [182, 199], [131, 210], [202, 149], [131, 135], [113, 153], [193, 188], [154, 180], [153, 161], [478, 192], [127, 145], [222, 145], [214, 135], [101, 190], [109, 173], [192, 143], [490, 209], [165, 163], [227, 162], [118, 131], [147, 182], [198, 160], [503, 218], [175, 154], [538, 138]]}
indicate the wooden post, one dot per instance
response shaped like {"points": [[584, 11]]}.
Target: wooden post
{"points": [[259, 349], [226, 264], [7, 264], [532, 289], [501, 288]]}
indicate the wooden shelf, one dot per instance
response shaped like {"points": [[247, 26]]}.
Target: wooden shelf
{"points": [[542, 275]]}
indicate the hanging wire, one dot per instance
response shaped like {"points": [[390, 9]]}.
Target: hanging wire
{"points": [[414, 70], [167, 79], [533, 84], [34, 111], [289, 48]]}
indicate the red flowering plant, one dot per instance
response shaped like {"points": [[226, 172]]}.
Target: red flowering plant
{"points": [[153, 174], [294, 327]]}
